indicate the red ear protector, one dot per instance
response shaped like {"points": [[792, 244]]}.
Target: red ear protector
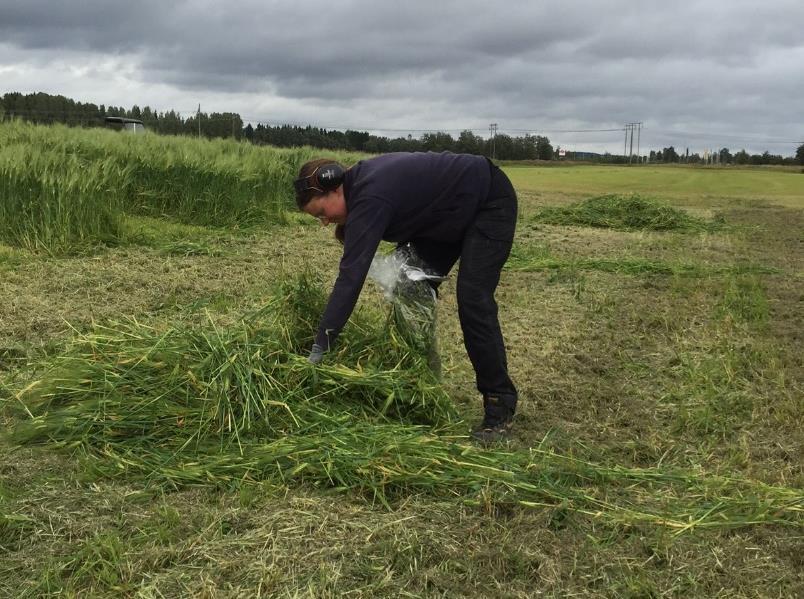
{"points": [[325, 178]]}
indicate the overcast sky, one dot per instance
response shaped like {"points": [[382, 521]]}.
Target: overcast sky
{"points": [[696, 74]]}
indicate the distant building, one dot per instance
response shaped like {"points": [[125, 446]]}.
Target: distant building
{"points": [[123, 124], [585, 155]]}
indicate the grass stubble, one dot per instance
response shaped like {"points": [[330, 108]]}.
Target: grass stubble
{"points": [[202, 406]]}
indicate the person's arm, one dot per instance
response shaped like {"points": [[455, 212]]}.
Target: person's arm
{"points": [[366, 223]]}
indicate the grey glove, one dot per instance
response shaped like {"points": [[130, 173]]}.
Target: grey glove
{"points": [[316, 354]]}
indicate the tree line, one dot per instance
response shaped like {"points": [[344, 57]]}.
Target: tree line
{"points": [[503, 147], [725, 156], [46, 108]]}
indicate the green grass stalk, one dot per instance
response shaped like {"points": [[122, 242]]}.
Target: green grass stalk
{"points": [[211, 406]]}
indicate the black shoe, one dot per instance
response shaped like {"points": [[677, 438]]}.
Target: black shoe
{"points": [[493, 432], [498, 420]]}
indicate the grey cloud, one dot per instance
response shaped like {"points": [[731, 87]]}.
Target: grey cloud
{"points": [[717, 64], [91, 24]]}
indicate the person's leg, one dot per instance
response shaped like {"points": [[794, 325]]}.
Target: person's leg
{"points": [[485, 249]]}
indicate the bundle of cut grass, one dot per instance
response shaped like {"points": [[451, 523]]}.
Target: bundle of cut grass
{"points": [[387, 461], [129, 384], [631, 212], [203, 405]]}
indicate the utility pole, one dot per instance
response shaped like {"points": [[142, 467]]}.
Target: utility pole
{"points": [[198, 118], [625, 143], [629, 127], [639, 135], [631, 150], [493, 132]]}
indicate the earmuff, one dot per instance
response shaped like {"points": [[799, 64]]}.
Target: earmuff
{"points": [[323, 179]]}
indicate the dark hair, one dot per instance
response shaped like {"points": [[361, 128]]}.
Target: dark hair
{"points": [[340, 233], [307, 169]]}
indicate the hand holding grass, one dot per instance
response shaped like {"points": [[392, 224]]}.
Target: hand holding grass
{"points": [[316, 354]]}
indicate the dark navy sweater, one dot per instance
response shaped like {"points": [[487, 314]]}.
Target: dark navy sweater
{"points": [[400, 197]]}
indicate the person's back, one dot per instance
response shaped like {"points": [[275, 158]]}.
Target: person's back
{"points": [[430, 195]]}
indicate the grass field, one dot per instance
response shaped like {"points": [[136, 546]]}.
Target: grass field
{"points": [[708, 187], [658, 370]]}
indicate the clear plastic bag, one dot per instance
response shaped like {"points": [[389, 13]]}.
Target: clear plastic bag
{"points": [[409, 285]]}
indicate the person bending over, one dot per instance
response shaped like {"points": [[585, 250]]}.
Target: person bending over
{"points": [[446, 206]]}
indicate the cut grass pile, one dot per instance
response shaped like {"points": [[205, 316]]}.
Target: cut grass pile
{"points": [[61, 187], [625, 213], [203, 387], [209, 406]]}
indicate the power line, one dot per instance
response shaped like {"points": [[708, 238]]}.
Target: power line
{"points": [[415, 129], [710, 135], [565, 130], [194, 113]]}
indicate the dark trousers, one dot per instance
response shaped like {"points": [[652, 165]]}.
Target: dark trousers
{"points": [[483, 251]]}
